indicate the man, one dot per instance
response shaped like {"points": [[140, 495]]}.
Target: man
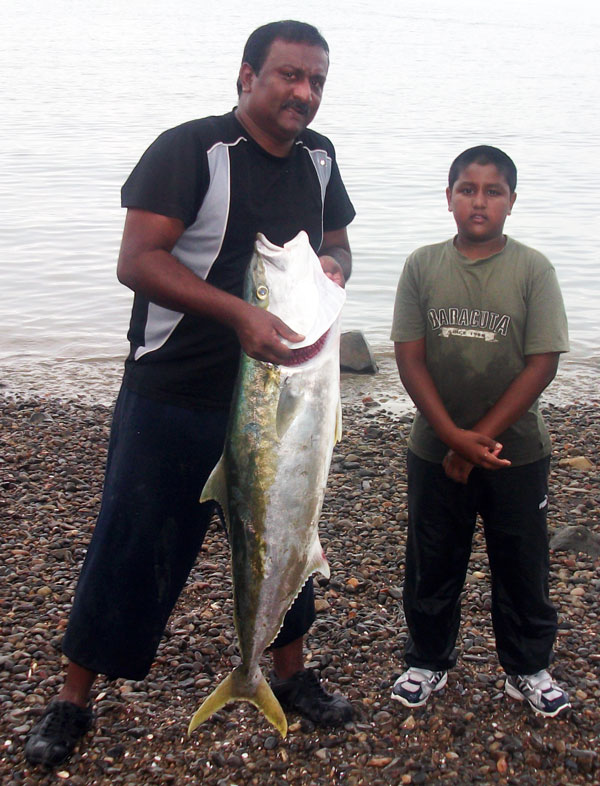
{"points": [[195, 202]]}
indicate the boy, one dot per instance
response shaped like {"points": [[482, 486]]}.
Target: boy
{"points": [[479, 324]]}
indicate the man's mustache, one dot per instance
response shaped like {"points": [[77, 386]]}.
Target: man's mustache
{"points": [[299, 106]]}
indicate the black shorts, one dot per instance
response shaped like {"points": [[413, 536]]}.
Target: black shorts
{"points": [[148, 534]]}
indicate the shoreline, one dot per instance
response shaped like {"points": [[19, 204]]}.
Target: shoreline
{"points": [[96, 381], [53, 454]]}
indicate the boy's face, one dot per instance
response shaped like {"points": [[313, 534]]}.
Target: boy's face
{"points": [[480, 200]]}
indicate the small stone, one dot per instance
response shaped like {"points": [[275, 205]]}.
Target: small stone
{"points": [[585, 759], [379, 761], [382, 716], [501, 765], [577, 462]]}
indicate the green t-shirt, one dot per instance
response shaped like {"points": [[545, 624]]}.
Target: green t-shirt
{"points": [[480, 319]]}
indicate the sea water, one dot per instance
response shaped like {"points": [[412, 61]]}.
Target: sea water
{"points": [[87, 86]]}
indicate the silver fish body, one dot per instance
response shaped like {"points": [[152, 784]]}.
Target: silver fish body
{"points": [[271, 479]]}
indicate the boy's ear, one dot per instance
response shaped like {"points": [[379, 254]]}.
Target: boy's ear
{"points": [[513, 197], [246, 75], [449, 198]]}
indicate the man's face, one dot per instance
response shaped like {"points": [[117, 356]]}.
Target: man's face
{"points": [[283, 98], [480, 200]]}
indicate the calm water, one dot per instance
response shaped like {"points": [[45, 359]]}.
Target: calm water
{"points": [[88, 85]]}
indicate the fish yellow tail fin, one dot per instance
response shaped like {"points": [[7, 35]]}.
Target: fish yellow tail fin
{"points": [[235, 687]]}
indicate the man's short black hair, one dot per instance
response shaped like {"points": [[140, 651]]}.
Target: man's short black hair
{"points": [[484, 154], [258, 45]]}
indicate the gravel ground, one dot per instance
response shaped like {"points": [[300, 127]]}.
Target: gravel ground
{"points": [[51, 465]]}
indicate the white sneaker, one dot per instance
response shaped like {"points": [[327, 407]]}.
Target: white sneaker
{"points": [[415, 686], [543, 694]]}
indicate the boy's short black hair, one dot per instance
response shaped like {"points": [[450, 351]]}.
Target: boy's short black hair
{"points": [[484, 154], [259, 42]]}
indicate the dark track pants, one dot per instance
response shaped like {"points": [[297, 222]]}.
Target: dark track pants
{"points": [[513, 503], [148, 534]]}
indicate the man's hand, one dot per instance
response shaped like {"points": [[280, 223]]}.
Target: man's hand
{"points": [[333, 270], [477, 449], [260, 333], [335, 256]]}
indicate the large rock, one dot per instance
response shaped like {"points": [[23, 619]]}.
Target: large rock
{"points": [[355, 354], [576, 538]]}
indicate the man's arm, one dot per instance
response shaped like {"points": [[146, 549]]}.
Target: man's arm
{"points": [[147, 266], [335, 256], [525, 388], [475, 447]]}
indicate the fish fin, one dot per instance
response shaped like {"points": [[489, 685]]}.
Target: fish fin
{"points": [[317, 562], [287, 408], [215, 489], [338, 421], [221, 696], [235, 688], [269, 705]]}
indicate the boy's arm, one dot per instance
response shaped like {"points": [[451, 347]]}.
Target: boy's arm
{"points": [[476, 448], [525, 388]]}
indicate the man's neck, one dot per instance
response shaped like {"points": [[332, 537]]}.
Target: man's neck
{"points": [[279, 148]]}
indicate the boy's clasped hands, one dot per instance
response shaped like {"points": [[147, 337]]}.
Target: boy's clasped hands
{"points": [[480, 450]]}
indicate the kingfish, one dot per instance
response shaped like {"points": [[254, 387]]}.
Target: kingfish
{"points": [[271, 478]]}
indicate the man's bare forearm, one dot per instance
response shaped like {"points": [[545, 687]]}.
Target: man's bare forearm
{"points": [[163, 279]]}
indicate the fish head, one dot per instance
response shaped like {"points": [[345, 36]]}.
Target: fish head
{"points": [[289, 282]]}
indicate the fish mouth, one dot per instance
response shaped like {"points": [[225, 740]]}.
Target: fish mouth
{"points": [[307, 353]]}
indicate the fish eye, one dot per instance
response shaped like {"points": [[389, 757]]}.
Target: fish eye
{"points": [[262, 291]]}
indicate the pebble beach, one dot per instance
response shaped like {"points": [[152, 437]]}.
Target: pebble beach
{"points": [[51, 466]]}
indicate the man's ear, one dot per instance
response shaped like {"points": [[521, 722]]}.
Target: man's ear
{"points": [[246, 77]]}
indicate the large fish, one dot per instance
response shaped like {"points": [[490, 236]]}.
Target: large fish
{"points": [[271, 478]]}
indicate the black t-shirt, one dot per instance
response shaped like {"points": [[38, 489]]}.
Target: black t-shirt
{"points": [[225, 188]]}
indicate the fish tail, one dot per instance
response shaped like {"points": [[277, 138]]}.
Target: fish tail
{"points": [[235, 687]]}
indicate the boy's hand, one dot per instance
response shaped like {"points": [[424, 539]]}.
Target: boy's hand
{"points": [[479, 450], [456, 467]]}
